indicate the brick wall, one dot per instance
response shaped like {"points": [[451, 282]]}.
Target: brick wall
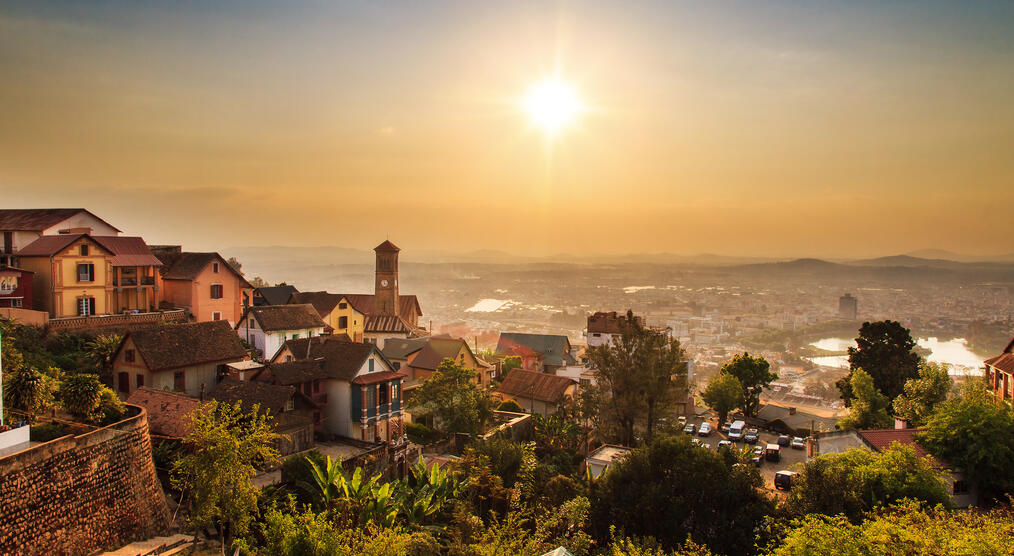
{"points": [[77, 494]]}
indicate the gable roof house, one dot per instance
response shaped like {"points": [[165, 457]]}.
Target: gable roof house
{"points": [[20, 227], [267, 327], [538, 352], [186, 358], [603, 327], [999, 374], [202, 283], [358, 389], [418, 358], [168, 412], [335, 309], [293, 414], [537, 392], [83, 275], [273, 295]]}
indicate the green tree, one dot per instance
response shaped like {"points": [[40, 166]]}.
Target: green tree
{"points": [[673, 490], [976, 435], [923, 393], [905, 528], [510, 406], [869, 407], [885, 350], [858, 480], [224, 447], [453, 400], [80, 395], [99, 351], [723, 394], [641, 376], [236, 265], [510, 363], [27, 390], [754, 373]]}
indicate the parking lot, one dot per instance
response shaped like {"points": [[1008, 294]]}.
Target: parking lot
{"points": [[789, 456]]}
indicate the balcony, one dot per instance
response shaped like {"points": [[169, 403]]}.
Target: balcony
{"points": [[100, 321], [125, 281]]}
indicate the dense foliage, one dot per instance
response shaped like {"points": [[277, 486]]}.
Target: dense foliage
{"points": [[885, 351], [723, 394], [672, 490], [923, 393], [452, 400], [975, 434], [869, 407], [640, 376], [857, 481], [754, 374]]}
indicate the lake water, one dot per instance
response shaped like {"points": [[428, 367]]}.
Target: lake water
{"points": [[952, 352], [490, 305]]}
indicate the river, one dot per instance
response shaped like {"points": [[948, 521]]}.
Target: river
{"points": [[952, 352]]}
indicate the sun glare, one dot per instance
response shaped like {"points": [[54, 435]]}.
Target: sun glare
{"points": [[552, 104]]}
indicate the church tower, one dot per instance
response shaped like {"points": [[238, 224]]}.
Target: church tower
{"points": [[386, 290]]}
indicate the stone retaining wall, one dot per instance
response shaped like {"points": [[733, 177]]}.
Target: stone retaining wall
{"points": [[78, 494]]}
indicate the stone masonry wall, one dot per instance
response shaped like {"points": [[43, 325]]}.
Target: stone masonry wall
{"points": [[77, 494]]}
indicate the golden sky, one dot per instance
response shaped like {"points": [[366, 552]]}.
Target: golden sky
{"points": [[829, 129]]}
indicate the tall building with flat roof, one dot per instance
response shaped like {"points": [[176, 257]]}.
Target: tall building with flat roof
{"points": [[848, 307]]}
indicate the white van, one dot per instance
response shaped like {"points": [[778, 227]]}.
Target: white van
{"points": [[736, 430]]}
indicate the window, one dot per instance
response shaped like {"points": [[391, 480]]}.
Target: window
{"points": [[394, 392], [343, 322], [596, 335], [316, 417], [85, 306], [128, 356], [960, 487], [343, 305], [214, 267], [140, 380], [295, 336], [397, 365], [86, 272], [216, 291], [179, 381], [251, 323], [290, 405], [124, 382], [371, 365], [288, 358], [216, 315], [382, 392], [84, 250]]}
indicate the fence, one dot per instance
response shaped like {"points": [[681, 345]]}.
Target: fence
{"points": [[122, 320]]}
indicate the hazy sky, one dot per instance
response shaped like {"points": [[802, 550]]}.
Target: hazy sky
{"points": [[770, 128]]}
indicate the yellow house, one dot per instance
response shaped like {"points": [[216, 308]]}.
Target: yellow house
{"points": [[81, 275], [336, 311]]}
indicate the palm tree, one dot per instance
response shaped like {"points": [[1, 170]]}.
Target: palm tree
{"points": [[100, 351]]}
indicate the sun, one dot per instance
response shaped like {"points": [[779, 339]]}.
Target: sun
{"points": [[552, 104]]}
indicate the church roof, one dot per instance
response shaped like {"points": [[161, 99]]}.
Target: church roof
{"points": [[386, 246]]}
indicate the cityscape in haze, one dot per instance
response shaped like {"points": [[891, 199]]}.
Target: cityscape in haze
{"points": [[558, 278]]}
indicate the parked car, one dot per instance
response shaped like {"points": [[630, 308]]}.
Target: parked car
{"points": [[758, 456], [726, 426], [783, 479], [736, 430], [682, 419], [724, 444], [783, 440], [750, 437], [705, 429], [798, 443], [690, 428], [698, 442], [773, 452]]}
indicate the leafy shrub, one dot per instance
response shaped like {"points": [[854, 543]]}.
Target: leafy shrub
{"points": [[110, 409], [47, 431], [510, 406], [80, 395], [419, 433]]}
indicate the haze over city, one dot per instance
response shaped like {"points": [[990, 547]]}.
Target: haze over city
{"points": [[780, 129]]}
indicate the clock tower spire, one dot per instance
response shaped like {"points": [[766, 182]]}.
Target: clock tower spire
{"points": [[386, 287]]}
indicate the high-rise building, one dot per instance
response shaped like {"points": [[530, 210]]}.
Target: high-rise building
{"points": [[848, 307]]}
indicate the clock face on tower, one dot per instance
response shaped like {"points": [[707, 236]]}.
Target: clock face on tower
{"points": [[383, 283]]}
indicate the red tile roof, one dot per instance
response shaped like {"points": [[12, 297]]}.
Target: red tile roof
{"points": [[37, 220], [881, 439], [285, 317], [126, 251], [323, 302], [47, 246], [386, 246], [608, 323], [364, 303], [341, 359], [531, 384], [1003, 362], [390, 323], [168, 412]]}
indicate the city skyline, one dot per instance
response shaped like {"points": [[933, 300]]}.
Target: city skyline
{"points": [[789, 129]]}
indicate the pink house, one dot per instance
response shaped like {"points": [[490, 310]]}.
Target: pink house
{"points": [[202, 283]]}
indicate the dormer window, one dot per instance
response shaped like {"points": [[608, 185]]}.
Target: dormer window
{"points": [[84, 250]]}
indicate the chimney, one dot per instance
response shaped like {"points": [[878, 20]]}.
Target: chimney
{"points": [[900, 424]]}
